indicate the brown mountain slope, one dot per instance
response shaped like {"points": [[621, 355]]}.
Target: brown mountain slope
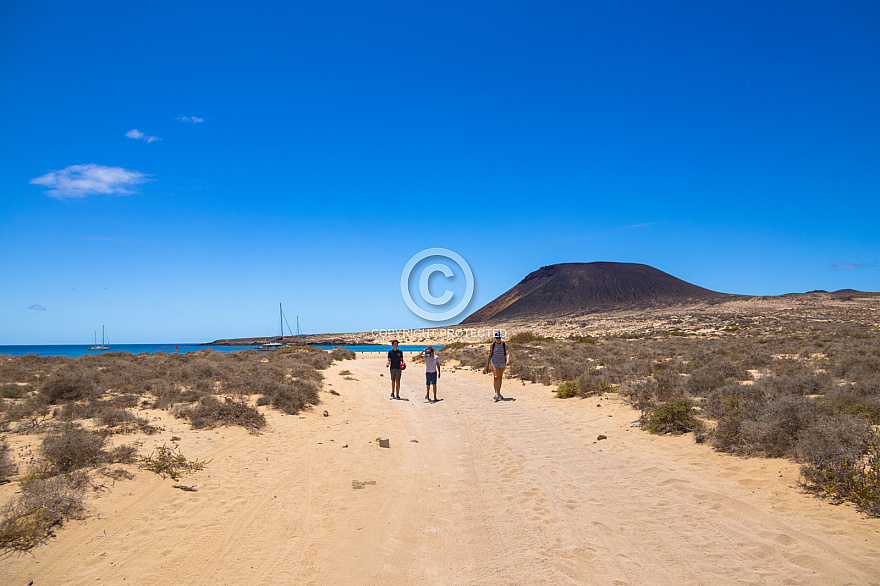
{"points": [[585, 287]]}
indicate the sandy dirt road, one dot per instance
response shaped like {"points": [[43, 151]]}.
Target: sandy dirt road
{"points": [[516, 492]]}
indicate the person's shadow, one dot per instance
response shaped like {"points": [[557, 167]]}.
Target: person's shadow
{"points": [[508, 398]]}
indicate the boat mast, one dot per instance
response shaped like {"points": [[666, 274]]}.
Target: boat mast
{"points": [[281, 320]]}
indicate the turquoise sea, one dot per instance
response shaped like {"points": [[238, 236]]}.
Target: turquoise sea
{"points": [[83, 350]]}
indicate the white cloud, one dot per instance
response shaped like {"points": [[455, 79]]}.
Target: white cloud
{"points": [[37, 307], [81, 180], [848, 266], [193, 119], [138, 135]]}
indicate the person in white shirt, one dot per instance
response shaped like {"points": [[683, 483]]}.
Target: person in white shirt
{"points": [[432, 371]]}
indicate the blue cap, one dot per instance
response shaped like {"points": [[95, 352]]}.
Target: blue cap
{"points": [[497, 334]]}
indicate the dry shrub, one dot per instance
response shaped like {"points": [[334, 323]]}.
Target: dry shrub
{"points": [[31, 414], [30, 519], [473, 356], [342, 354], [792, 427], [526, 338], [848, 476], [861, 399], [295, 396], [124, 454], [314, 357], [123, 421], [640, 393], [798, 383], [669, 386], [593, 382], [857, 366], [209, 412], [13, 390], [17, 370], [72, 448], [712, 375], [166, 461], [7, 466], [69, 385]]}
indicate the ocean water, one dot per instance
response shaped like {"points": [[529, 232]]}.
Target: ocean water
{"points": [[83, 350]]}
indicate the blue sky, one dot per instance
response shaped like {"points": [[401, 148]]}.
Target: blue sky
{"points": [[175, 170]]}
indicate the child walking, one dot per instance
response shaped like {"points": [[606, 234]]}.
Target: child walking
{"points": [[432, 371]]}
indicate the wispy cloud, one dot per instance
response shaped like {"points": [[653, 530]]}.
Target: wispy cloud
{"points": [[193, 119], [641, 225], [138, 135], [37, 307], [78, 181], [848, 266], [105, 238]]}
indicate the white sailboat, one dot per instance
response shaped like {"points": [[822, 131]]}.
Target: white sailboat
{"points": [[105, 345], [279, 343]]}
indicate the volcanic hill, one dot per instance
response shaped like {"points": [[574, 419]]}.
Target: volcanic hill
{"points": [[568, 288]]}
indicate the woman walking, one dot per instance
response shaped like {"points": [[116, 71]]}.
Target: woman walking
{"points": [[498, 359], [432, 371]]}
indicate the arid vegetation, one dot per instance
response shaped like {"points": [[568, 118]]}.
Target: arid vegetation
{"points": [[75, 405], [804, 390]]}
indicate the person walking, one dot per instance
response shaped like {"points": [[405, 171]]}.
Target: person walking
{"points": [[432, 371], [395, 358], [498, 359]]}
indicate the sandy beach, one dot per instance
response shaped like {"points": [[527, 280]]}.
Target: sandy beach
{"points": [[469, 492]]}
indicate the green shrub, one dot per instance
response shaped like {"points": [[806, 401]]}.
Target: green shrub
{"points": [[567, 390], [526, 337], [166, 461], [675, 417]]}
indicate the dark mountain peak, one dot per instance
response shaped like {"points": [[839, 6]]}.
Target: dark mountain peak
{"points": [[567, 288]]}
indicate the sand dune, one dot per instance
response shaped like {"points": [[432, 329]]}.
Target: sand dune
{"points": [[517, 492]]}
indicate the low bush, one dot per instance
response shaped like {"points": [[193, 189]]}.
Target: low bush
{"points": [[295, 396], [567, 390], [209, 412], [13, 390], [7, 466], [73, 448], [675, 417], [68, 385], [526, 337], [848, 476], [342, 354], [30, 518], [792, 426], [166, 461], [593, 382]]}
